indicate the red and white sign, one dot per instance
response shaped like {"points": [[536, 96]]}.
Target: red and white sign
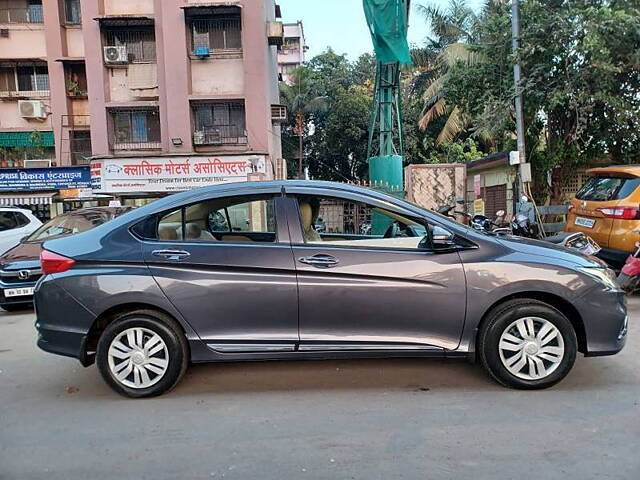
{"points": [[171, 174]]}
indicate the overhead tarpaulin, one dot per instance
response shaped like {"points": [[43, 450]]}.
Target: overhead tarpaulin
{"points": [[26, 139], [388, 24], [17, 199]]}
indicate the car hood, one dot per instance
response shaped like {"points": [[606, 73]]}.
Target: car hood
{"points": [[541, 248], [23, 255]]}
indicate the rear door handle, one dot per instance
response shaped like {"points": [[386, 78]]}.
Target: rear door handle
{"points": [[320, 260], [170, 254]]}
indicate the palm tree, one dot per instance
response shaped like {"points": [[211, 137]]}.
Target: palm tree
{"points": [[301, 102], [454, 32]]}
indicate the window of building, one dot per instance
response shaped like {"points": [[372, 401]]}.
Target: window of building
{"points": [[80, 146], [243, 219], [31, 78], [219, 123], [291, 43], [76, 79], [72, 12], [140, 42], [25, 11], [135, 129], [219, 30], [345, 223]]}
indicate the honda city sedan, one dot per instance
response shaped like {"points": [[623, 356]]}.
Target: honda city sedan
{"points": [[240, 272], [20, 266]]}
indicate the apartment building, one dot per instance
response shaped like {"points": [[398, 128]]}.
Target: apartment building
{"points": [[291, 54], [143, 93]]}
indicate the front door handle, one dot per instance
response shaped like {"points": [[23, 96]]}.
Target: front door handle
{"points": [[170, 254], [320, 260]]}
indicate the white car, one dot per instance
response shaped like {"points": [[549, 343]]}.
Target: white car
{"points": [[15, 224]]}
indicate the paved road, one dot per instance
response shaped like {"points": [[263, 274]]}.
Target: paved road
{"points": [[392, 419]]}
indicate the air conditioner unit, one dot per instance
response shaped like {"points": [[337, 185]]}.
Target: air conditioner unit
{"points": [[278, 113], [37, 163], [275, 33], [116, 54], [31, 109]]}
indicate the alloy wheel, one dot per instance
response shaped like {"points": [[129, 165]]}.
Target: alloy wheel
{"points": [[138, 357], [531, 348]]}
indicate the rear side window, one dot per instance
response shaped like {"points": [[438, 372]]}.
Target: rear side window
{"points": [[236, 219], [21, 219], [602, 189], [7, 221]]}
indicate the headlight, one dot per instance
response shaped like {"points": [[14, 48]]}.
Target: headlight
{"points": [[605, 276]]}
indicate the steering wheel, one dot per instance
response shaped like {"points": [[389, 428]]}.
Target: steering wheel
{"points": [[392, 231]]}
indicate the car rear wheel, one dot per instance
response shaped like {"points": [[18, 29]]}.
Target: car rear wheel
{"points": [[527, 344], [142, 354]]}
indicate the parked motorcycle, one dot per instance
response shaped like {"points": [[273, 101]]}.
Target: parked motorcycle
{"points": [[629, 278], [522, 226]]}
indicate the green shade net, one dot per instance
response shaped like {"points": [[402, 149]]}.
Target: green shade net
{"points": [[26, 139], [387, 20]]}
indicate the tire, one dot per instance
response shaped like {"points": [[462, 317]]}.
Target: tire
{"points": [[144, 372], [501, 341], [17, 307]]}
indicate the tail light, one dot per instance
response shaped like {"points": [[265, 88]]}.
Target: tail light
{"points": [[622, 213], [54, 263]]}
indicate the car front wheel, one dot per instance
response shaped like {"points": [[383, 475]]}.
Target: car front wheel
{"points": [[142, 354], [527, 344]]}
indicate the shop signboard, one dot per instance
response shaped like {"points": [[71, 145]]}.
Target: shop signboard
{"points": [[43, 179], [171, 174]]}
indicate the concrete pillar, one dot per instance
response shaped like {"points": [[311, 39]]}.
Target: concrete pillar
{"points": [[256, 53], [173, 75], [97, 76], [55, 36]]}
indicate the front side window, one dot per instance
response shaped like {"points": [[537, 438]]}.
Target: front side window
{"points": [[340, 222], [236, 219], [140, 42], [216, 32], [135, 129], [219, 123]]}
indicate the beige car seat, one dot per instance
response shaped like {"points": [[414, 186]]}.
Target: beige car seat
{"points": [[306, 215]]}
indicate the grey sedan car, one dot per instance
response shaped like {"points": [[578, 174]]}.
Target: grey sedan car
{"points": [[238, 272]]}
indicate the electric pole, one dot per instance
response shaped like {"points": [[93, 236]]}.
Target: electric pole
{"points": [[517, 76]]}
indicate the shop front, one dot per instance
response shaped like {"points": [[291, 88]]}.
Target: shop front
{"points": [[136, 181], [38, 189]]}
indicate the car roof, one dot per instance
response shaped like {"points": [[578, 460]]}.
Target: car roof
{"points": [[627, 170]]}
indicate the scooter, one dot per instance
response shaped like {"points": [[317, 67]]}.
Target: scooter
{"points": [[629, 278]]}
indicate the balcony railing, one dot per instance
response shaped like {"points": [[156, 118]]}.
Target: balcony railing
{"points": [[220, 135], [31, 14], [124, 146]]}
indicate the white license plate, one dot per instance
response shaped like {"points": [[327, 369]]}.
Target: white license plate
{"points": [[585, 222], [18, 292]]}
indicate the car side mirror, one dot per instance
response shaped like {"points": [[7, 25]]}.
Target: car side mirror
{"points": [[442, 239]]}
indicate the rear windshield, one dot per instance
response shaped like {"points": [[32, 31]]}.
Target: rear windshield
{"points": [[602, 189], [64, 225]]}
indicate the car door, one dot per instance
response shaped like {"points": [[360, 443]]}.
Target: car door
{"points": [[367, 282], [232, 280], [11, 230]]}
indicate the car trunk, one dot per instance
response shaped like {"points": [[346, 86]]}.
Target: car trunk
{"points": [[602, 191]]}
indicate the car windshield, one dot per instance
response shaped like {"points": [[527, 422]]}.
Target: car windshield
{"points": [[69, 224], [602, 189]]}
